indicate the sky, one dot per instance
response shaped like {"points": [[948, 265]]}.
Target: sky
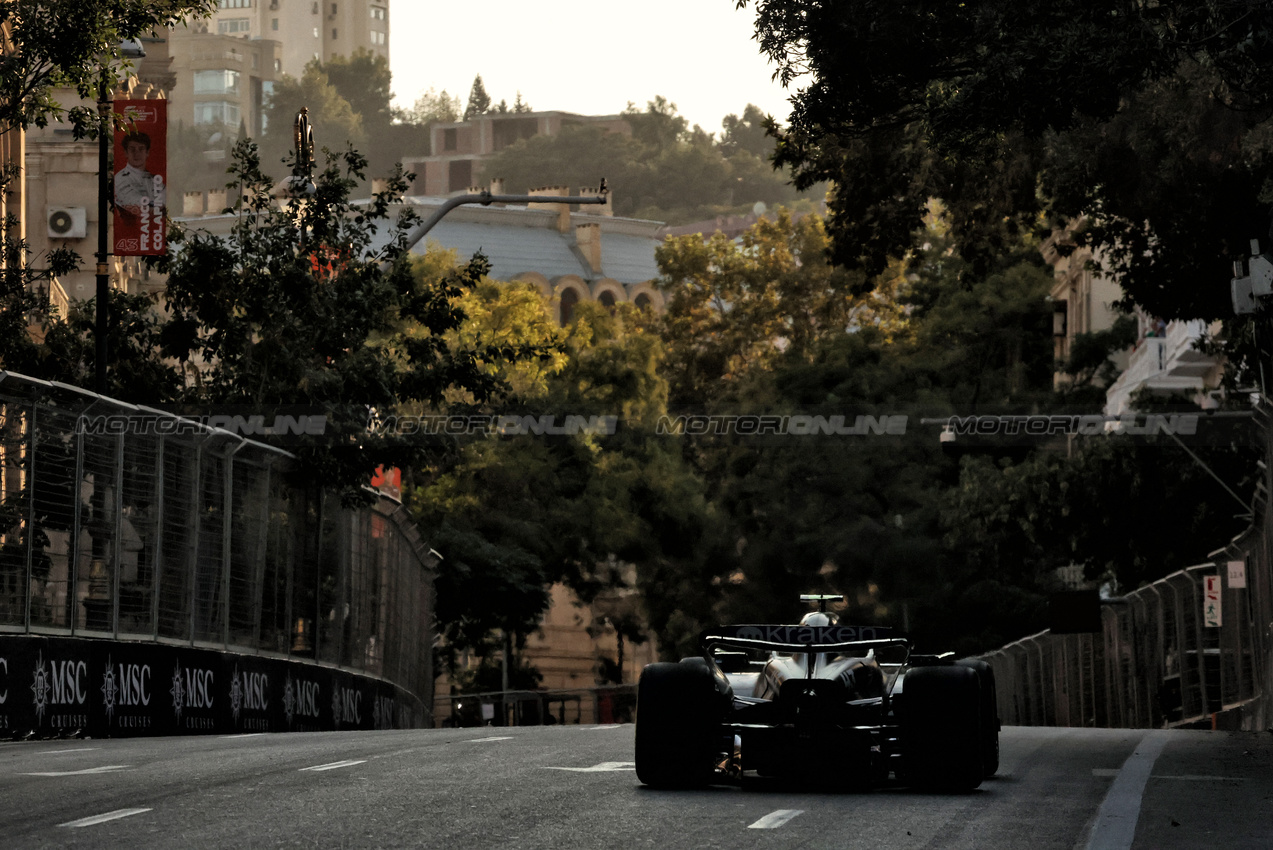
{"points": [[586, 56]]}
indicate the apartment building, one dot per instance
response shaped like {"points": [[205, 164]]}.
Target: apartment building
{"points": [[459, 149], [306, 29]]}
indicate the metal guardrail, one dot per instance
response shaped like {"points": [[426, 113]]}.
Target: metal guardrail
{"points": [[191, 535], [608, 704], [1153, 664]]}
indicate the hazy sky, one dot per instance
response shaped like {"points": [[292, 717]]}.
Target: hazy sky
{"points": [[586, 56]]}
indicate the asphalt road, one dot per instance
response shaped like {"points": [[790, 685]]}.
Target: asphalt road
{"points": [[574, 787]]}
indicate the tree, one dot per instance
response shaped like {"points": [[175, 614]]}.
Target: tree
{"points": [[315, 304], [663, 170], [336, 124], [72, 43], [363, 79], [48, 45], [983, 103], [479, 101], [433, 107]]}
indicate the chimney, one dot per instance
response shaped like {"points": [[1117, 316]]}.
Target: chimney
{"points": [[497, 186], [192, 203], [588, 238], [601, 209], [562, 210], [216, 201], [378, 185]]}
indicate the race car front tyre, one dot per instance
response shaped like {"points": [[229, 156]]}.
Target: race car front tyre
{"points": [[989, 714], [679, 712], [941, 728]]}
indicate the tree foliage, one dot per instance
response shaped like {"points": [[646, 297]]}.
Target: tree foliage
{"points": [[1149, 117], [336, 124], [72, 43], [665, 170], [479, 101], [315, 303]]}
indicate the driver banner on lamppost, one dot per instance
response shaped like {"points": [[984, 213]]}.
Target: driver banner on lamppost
{"points": [[141, 182]]}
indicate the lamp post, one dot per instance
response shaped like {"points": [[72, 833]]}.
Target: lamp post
{"points": [[130, 49]]}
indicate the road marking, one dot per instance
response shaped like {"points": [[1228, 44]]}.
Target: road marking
{"points": [[335, 764], [96, 819], [604, 767], [60, 752], [484, 740], [1115, 824], [773, 820], [85, 772], [245, 735], [1189, 777], [607, 726]]}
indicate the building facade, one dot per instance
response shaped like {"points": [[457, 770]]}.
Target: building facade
{"points": [[305, 29], [459, 149], [1165, 359]]}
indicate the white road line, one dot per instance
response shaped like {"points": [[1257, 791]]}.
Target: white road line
{"points": [[335, 764], [245, 735], [604, 767], [1189, 777], [85, 772], [61, 752], [607, 726], [773, 820], [96, 819], [484, 740], [1115, 824]]}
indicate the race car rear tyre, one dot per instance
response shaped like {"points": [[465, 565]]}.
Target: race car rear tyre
{"points": [[989, 714], [679, 712], [941, 728]]}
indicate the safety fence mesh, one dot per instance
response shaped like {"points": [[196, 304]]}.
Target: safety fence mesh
{"points": [[187, 533], [1157, 661]]}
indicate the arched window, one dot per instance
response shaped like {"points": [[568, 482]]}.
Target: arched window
{"points": [[643, 301], [607, 300], [569, 298]]}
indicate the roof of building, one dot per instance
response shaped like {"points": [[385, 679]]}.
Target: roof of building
{"points": [[518, 240]]}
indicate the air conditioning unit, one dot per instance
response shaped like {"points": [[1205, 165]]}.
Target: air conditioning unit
{"points": [[67, 223]]}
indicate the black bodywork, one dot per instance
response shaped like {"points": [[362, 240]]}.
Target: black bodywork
{"points": [[836, 705]]}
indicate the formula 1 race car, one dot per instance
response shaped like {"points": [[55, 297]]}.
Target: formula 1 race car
{"points": [[837, 705]]}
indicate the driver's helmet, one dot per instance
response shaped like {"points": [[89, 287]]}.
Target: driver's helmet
{"points": [[818, 618]]}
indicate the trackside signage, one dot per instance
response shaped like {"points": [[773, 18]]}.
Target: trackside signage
{"points": [[801, 635], [59, 686]]}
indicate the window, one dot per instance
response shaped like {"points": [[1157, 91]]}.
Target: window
{"points": [[234, 4], [449, 140], [216, 112], [229, 26], [569, 298], [379, 13], [216, 82], [316, 36], [333, 33], [274, 24], [377, 38], [314, 10], [333, 10]]}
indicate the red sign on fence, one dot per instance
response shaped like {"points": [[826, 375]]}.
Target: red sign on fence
{"points": [[141, 182]]}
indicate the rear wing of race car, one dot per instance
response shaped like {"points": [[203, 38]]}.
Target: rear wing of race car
{"points": [[810, 639]]}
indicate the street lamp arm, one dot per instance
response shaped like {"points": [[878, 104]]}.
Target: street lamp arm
{"points": [[486, 199]]}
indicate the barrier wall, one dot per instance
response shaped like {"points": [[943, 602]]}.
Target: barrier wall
{"points": [[53, 686], [129, 525]]}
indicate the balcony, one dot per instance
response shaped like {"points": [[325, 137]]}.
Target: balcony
{"points": [[1165, 364]]}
